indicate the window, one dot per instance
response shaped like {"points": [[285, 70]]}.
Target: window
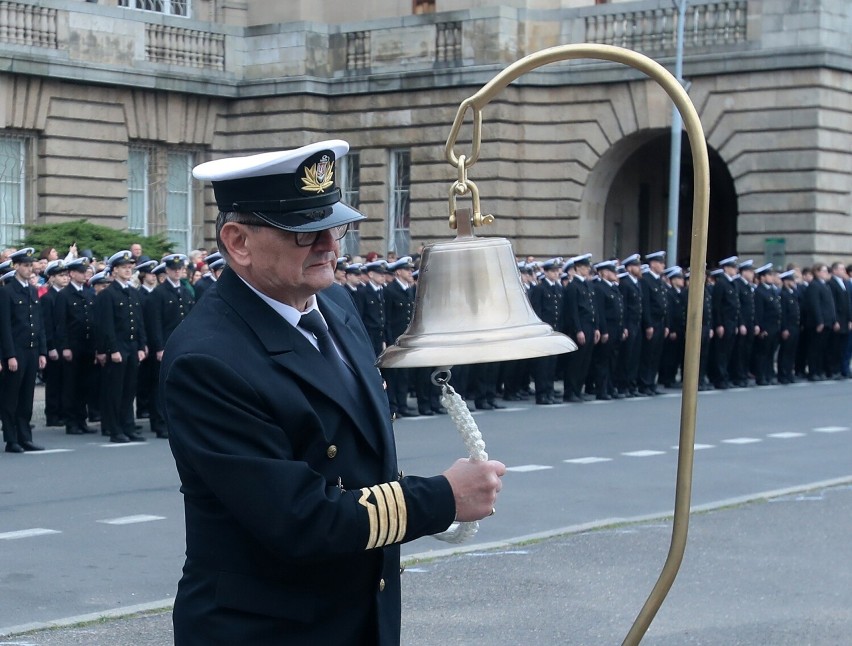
{"points": [[424, 6], [160, 195], [399, 217], [137, 191], [349, 179], [171, 7], [179, 200], [12, 190]]}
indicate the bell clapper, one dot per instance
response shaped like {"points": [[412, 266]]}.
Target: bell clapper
{"points": [[472, 438]]}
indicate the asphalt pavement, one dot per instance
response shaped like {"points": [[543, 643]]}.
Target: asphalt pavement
{"points": [[775, 571]]}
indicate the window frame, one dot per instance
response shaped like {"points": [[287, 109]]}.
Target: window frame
{"points": [[15, 230], [399, 202]]}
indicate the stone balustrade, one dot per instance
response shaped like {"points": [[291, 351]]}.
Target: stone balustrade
{"points": [[185, 47], [713, 24], [26, 24]]}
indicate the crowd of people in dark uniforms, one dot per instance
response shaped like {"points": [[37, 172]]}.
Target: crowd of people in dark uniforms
{"points": [[760, 326], [96, 338]]}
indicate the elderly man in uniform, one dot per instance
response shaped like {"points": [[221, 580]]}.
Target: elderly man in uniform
{"points": [[75, 311], [24, 352], [295, 507], [120, 346]]}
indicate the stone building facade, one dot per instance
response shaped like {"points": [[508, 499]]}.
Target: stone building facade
{"points": [[105, 107]]}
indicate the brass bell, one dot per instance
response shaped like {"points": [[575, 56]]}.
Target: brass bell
{"points": [[471, 307]]}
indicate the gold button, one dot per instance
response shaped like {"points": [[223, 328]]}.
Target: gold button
{"points": [[382, 585], [331, 452]]}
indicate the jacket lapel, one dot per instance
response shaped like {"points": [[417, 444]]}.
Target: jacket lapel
{"points": [[288, 348]]}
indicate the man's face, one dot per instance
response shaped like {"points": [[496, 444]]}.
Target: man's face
{"points": [[748, 275], [123, 272], [149, 279], [61, 279], [173, 274], [657, 266], [136, 250], [353, 279], [24, 270], [404, 275], [730, 270], [78, 277], [634, 270], [286, 272], [553, 274]]}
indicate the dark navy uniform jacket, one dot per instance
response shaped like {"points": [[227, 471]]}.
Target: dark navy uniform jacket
{"points": [[22, 327], [655, 305], [767, 309], [75, 315], [546, 301], [166, 308], [726, 304], [371, 306], [119, 324], [631, 292], [294, 504], [399, 307]]}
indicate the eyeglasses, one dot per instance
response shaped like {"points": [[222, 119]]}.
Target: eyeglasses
{"points": [[309, 238]]}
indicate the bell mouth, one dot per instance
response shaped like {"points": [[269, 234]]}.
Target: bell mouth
{"points": [[507, 344]]}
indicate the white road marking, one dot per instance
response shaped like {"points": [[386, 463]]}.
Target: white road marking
{"points": [[642, 454], [509, 409], [112, 445], [786, 435], [528, 467], [742, 440], [697, 447], [49, 451], [830, 429], [27, 533], [589, 460], [129, 520]]}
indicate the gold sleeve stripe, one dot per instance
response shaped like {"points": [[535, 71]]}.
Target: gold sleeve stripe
{"points": [[382, 504], [386, 512], [371, 514], [393, 512], [402, 512]]}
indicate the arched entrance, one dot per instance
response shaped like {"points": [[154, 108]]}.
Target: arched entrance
{"points": [[628, 193]]}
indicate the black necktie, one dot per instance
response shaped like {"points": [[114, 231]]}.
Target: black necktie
{"points": [[315, 324]]}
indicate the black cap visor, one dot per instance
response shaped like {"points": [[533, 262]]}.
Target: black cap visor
{"points": [[316, 219]]}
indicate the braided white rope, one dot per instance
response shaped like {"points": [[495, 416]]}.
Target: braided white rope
{"points": [[459, 413]]}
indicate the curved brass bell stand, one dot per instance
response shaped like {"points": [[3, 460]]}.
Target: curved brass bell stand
{"points": [[700, 214], [459, 317]]}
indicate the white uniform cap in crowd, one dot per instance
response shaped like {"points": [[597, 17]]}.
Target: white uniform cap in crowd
{"points": [[121, 258], [788, 275], [764, 269], [582, 259], [746, 264], [633, 259], [23, 255], [146, 267], [656, 255], [605, 264], [553, 263], [55, 267], [292, 190], [175, 261], [100, 277], [728, 262]]}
